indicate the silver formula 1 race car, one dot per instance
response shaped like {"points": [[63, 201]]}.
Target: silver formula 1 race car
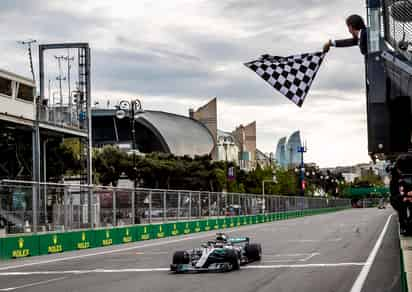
{"points": [[220, 255]]}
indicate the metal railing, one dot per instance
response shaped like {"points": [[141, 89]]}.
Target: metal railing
{"points": [[62, 116], [397, 23], [62, 207]]}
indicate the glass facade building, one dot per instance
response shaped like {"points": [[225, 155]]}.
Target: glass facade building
{"points": [[287, 154]]}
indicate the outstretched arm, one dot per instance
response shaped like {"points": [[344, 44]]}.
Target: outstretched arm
{"points": [[345, 43], [340, 44]]}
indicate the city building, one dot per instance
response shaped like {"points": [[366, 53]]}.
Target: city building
{"points": [[287, 154], [245, 136], [238, 146], [156, 131], [293, 145], [226, 148], [350, 173], [264, 159], [207, 115], [280, 154]]}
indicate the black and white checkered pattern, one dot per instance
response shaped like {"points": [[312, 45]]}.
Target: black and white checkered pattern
{"points": [[292, 75]]}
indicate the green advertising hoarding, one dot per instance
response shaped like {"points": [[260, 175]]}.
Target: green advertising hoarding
{"points": [[245, 220], [174, 229], [196, 226], [1, 248], [231, 222], [106, 237], [160, 230], [238, 221], [187, 228], [20, 246], [215, 224], [82, 239], [126, 234], [144, 232], [54, 243], [207, 225]]}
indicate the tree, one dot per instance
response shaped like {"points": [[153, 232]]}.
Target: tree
{"points": [[109, 163], [63, 158]]}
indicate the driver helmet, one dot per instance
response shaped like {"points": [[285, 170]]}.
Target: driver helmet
{"points": [[221, 237]]}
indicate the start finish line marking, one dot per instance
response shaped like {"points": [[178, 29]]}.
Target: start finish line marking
{"points": [[139, 270]]}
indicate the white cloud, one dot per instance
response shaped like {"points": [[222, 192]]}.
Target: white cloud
{"points": [[177, 54]]}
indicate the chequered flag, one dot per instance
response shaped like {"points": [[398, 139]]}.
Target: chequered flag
{"points": [[292, 75]]}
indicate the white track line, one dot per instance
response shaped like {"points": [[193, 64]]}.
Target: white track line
{"points": [[32, 284], [314, 240], [309, 257], [139, 270], [295, 257], [360, 280], [328, 265], [287, 255]]}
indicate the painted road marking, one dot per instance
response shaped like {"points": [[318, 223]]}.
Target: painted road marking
{"points": [[360, 280], [284, 258], [309, 257], [32, 284], [314, 240], [327, 265], [151, 252], [138, 270]]}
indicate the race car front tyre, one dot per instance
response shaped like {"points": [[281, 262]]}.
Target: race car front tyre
{"points": [[180, 258], [254, 252]]}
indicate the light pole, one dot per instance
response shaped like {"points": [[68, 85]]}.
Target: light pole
{"points": [[132, 110], [301, 150], [273, 180]]}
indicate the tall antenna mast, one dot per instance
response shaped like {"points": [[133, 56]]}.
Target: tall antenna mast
{"points": [[60, 78], [28, 44], [69, 67]]}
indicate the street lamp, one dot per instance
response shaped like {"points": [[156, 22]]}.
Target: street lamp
{"points": [[131, 109], [225, 146]]}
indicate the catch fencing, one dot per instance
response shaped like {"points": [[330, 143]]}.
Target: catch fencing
{"points": [[28, 207], [397, 23]]}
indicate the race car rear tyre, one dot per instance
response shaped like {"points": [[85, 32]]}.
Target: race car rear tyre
{"points": [[233, 259], [180, 258], [254, 252]]}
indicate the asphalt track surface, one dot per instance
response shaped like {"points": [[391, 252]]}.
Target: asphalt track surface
{"points": [[353, 250]]}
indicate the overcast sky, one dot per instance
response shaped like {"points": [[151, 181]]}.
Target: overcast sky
{"points": [[178, 54]]}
